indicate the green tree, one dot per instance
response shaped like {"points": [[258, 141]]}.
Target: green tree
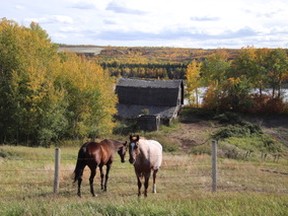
{"points": [[214, 72], [250, 65], [277, 67]]}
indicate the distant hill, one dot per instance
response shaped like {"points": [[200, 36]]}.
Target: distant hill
{"points": [[142, 55]]}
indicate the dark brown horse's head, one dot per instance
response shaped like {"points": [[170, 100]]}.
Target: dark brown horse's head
{"points": [[122, 151], [133, 148]]}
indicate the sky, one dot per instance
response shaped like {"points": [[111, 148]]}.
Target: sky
{"points": [[203, 24]]}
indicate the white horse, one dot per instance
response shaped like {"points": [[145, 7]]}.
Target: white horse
{"points": [[145, 155]]}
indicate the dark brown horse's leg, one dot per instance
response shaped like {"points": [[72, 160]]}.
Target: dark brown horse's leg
{"points": [[91, 179], [102, 177], [108, 166], [79, 178], [139, 185], [146, 184], [79, 186], [154, 181]]}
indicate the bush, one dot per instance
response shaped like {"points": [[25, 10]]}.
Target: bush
{"points": [[201, 149], [271, 145], [228, 118], [231, 151], [238, 130], [266, 104], [275, 105], [125, 128]]}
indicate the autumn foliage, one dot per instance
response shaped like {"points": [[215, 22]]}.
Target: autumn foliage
{"points": [[252, 82], [46, 95]]}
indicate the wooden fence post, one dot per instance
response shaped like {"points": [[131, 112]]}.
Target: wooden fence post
{"points": [[56, 171], [214, 165]]}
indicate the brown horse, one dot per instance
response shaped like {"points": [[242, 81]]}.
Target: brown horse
{"points": [[93, 154], [145, 155]]}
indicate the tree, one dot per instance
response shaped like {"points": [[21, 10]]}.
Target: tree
{"points": [[250, 65], [214, 73], [193, 82], [30, 103], [90, 96], [45, 96], [277, 67]]}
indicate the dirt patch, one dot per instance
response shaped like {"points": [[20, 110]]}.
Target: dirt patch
{"points": [[192, 134]]}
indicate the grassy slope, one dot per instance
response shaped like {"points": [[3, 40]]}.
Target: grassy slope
{"points": [[183, 184]]}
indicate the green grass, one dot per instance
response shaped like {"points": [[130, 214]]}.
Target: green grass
{"points": [[183, 184]]}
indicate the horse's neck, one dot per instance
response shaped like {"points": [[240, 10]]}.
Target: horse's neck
{"points": [[144, 149], [115, 144]]}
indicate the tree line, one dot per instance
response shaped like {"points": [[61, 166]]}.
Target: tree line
{"points": [[45, 95], [239, 84], [143, 70]]}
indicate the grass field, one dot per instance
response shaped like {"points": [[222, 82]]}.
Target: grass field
{"points": [[183, 186]]}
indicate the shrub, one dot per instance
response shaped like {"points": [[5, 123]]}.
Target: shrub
{"points": [[238, 130], [228, 118], [275, 105]]}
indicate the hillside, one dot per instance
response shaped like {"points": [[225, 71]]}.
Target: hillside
{"points": [[143, 55], [195, 128]]}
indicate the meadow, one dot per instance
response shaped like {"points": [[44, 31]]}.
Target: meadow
{"points": [[183, 184]]}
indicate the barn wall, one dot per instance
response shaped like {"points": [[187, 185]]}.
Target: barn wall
{"points": [[148, 96]]}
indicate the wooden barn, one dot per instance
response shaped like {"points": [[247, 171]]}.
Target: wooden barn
{"points": [[156, 99]]}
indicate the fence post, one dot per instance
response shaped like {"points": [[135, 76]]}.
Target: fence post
{"points": [[56, 171], [214, 165]]}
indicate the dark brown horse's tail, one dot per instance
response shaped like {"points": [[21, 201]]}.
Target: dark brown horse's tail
{"points": [[80, 163]]}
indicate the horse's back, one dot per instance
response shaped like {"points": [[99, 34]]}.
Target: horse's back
{"points": [[154, 153]]}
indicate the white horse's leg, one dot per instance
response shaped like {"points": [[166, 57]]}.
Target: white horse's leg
{"points": [[154, 188], [154, 181]]}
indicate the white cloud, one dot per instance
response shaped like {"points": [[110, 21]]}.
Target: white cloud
{"points": [[205, 23], [118, 8], [52, 19]]}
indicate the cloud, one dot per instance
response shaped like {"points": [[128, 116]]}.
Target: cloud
{"points": [[173, 35], [19, 7], [117, 8], [52, 19], [204, 19], [241, 33], [268, 14], [83, 5], [109, 22]]}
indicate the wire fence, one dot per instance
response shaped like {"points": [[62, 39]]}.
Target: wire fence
{"points": [[177, 171]]}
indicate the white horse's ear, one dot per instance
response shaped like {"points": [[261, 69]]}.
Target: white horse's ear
{"points": [[138, 137], [131, 137]]}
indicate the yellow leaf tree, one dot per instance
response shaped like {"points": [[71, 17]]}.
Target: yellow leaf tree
{"points": [[193, 82]]}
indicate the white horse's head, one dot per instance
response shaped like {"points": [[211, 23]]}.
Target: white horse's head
{"points": [[133, 148]]}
